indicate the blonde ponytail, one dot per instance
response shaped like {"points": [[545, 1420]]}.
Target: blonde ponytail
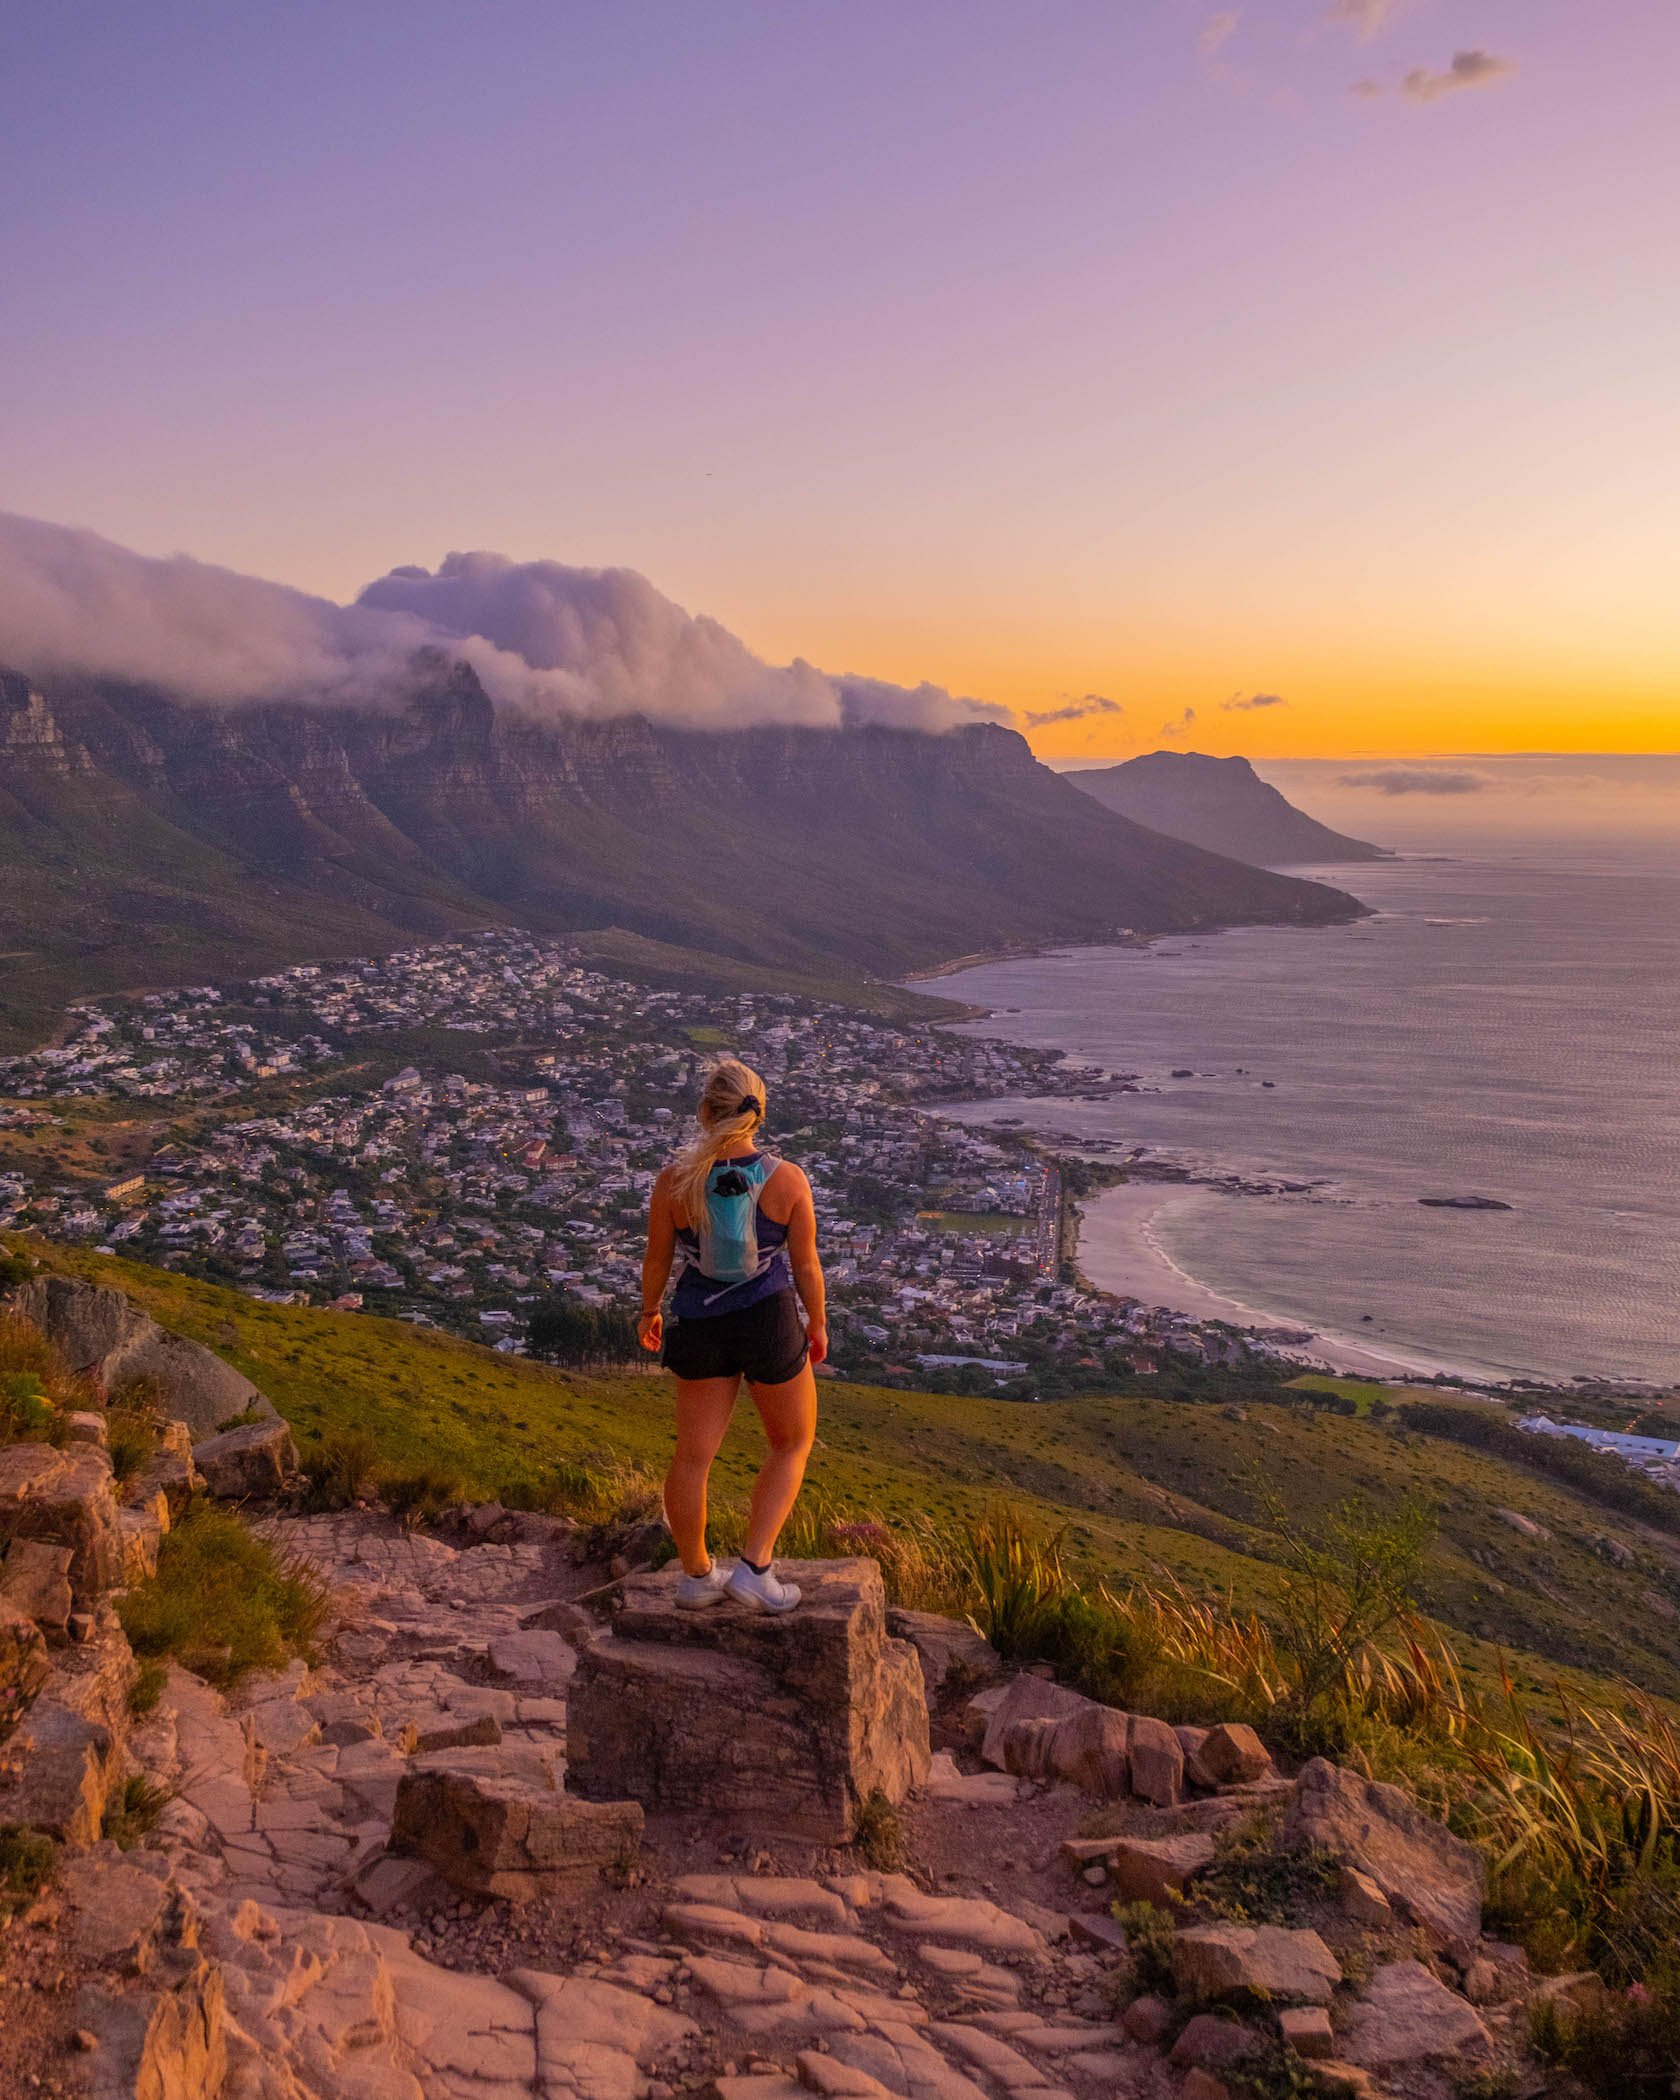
{"points": [[730, 1114]]}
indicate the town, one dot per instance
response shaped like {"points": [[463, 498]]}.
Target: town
{"points": [[454, 1133]]}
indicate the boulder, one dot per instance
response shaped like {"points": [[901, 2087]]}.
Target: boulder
{"points": [[494, 1824], [251, 1463], [1024, 1698], [1215, 1960], [1306, 2029], [23, 1665], [1229, 1755], [64, 1498], [954, 1658], [1157, 1762], [1210, 2039], [101, 1335], [1426, 1873], [35, 1580], [84, 1427], [1153, 1870], [780, 1724], [1406, 2015]]}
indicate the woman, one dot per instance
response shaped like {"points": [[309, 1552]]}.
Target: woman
{"points": [[745, 1223]]}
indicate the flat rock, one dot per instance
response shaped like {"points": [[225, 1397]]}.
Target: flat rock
{"points": [[1426, 1873], [970, 1789], [1406, 2015], [783, 1724], [1216, 1960], [963, 1921]]}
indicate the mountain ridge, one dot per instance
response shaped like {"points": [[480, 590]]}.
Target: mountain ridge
{"points": [[1220, 804], [142, 836]]}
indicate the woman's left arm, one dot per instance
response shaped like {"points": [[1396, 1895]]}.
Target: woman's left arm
{"points": [[656, 1263], [807, 1267]]}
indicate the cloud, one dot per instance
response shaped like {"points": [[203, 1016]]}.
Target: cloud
{"points": [[1181, 727], [1367, 17], [1075, 711], [544, 638], [1217, 31], [1247, 704], [1419, 780], [1469, 69]]}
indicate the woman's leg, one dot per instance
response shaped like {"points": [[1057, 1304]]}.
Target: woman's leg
{"points": [[704, 1406], [789, 1415]]}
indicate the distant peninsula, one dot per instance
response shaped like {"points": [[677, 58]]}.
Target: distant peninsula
{"points": [[1221, 804]]}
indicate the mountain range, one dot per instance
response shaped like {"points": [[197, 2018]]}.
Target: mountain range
{"points": [[1219, 803], [148, 839]]}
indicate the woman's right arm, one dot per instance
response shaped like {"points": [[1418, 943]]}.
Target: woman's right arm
{"points": [[807, 1269], [656, 1263]]}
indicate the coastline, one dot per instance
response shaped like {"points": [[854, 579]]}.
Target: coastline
{"points": [[1120, 1252]]}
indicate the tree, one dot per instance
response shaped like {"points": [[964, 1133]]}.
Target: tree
{"points": [[564, 1330]]}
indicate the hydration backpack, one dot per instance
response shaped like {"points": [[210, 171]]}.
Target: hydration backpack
{"points": [[728, 1227]]}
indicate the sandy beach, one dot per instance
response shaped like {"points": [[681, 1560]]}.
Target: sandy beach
{"points": [[1120, 1250]]}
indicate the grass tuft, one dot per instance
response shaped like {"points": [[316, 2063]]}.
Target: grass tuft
{"points": [[879, 1838], [27, 1860], [224, 1600]]}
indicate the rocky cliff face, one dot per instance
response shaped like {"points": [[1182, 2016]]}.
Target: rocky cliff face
{"points": [[149, 837]]}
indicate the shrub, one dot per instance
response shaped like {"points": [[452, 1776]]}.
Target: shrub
{"points": [[341, 1469], [131, 1436], [27, 1416], [1622, 2046], [1347, 1582], [420, 1497], [1254, 1880], [224, 1601], [1150, 1930], [26, 1866]]}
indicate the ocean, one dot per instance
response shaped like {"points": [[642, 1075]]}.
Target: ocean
{"points": [[1506, 1025]]}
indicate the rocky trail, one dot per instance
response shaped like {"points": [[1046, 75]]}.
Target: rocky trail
{"points": [[525, 1831]]}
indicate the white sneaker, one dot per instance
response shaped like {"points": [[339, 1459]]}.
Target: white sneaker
{"points": [[767, 1591], [695, 1592]]}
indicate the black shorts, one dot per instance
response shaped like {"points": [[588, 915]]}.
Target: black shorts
{"points": [[763, 1343]]}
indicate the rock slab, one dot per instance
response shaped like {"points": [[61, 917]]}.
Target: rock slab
{"points": [[492, 1825]]}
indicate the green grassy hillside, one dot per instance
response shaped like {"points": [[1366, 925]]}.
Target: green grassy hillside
{"points": [[1143, 1484]]}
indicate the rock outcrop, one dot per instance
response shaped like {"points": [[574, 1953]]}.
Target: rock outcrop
{"points": [[64, 1498], [777, 1724], [100, 1335]]}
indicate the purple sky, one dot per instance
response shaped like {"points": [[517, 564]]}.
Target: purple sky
{"points": [[1034, 349]]}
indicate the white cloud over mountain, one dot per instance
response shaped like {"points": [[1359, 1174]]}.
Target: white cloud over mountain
{"points": [[544, 637]]}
